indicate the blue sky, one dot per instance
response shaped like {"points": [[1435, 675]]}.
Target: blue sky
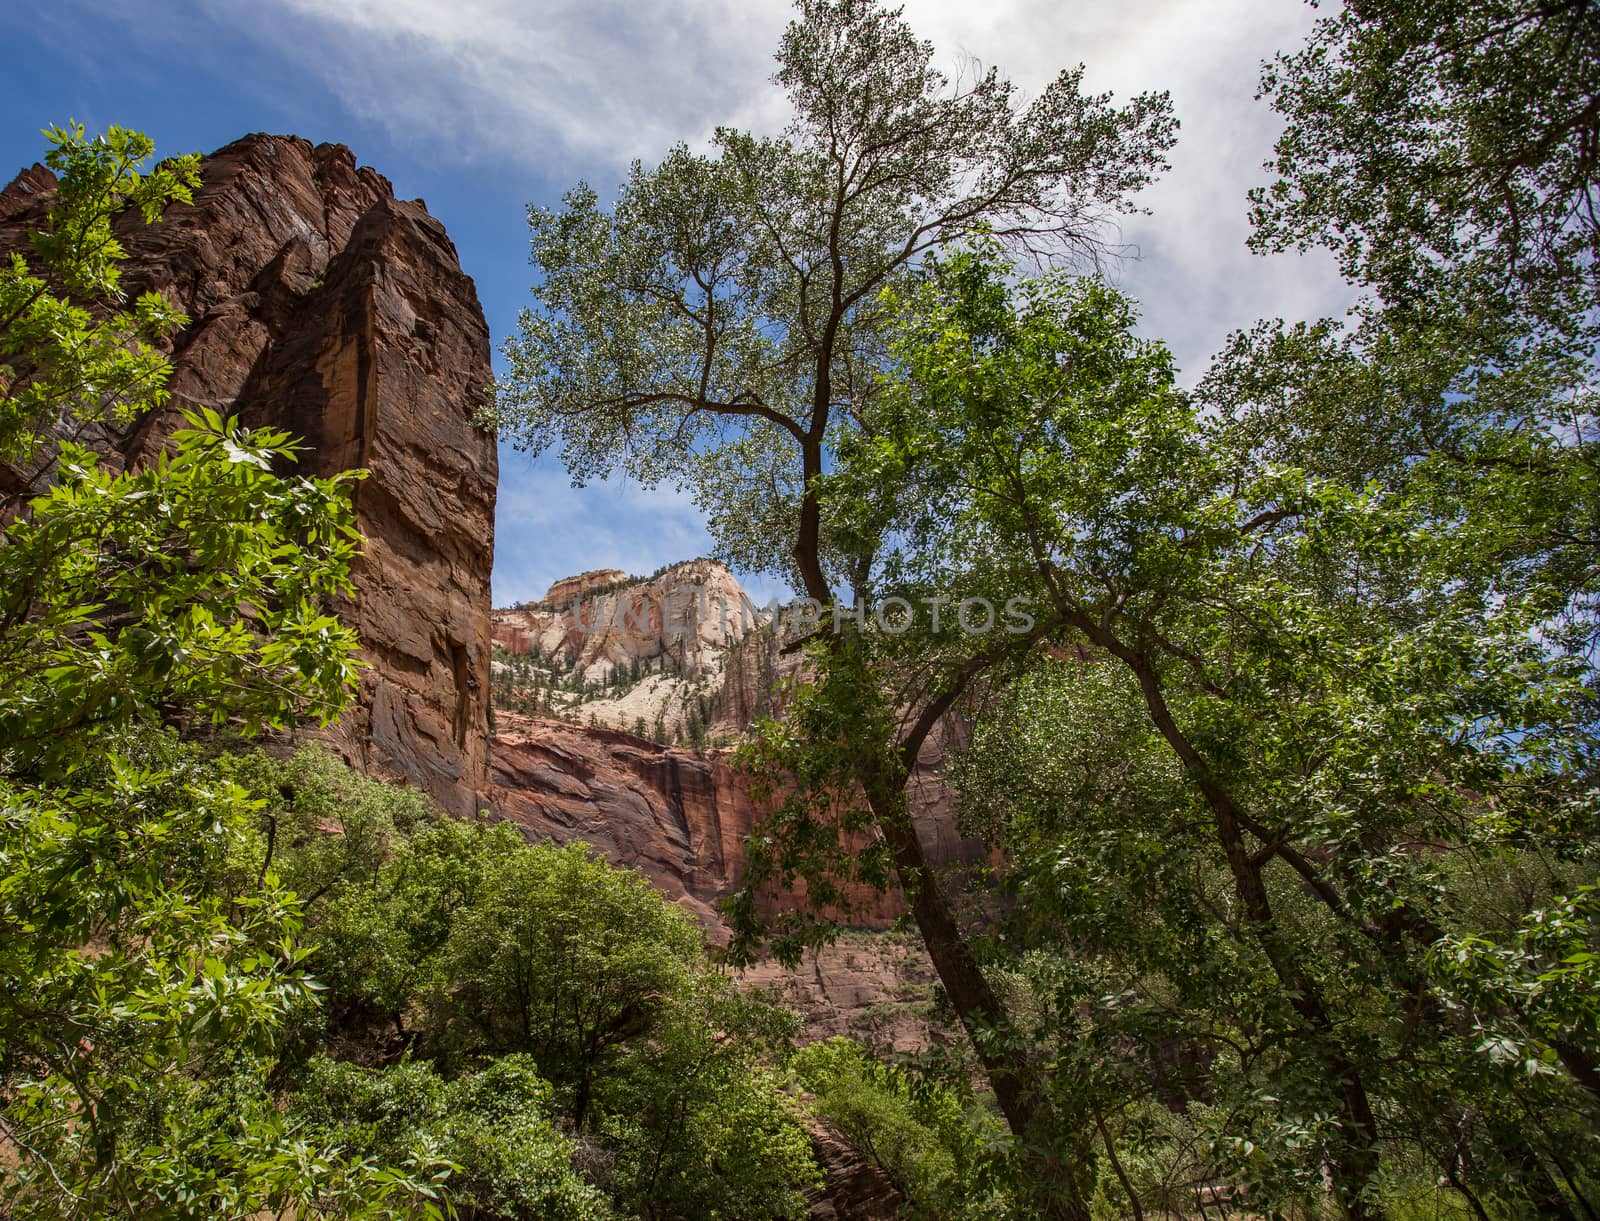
{"points": [[482, 106]]}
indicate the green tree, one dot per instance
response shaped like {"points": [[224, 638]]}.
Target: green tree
{"points": [[934, 1142], [1445, 152], [1270, 681], [494, 1126], [720, 319], [706, 1095], [378, 875], [720, 326], [1325, 638], [435, 938], [656, 1057], [565, 957]]}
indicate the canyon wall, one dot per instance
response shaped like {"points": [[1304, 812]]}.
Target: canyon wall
{"points": [[653, 655], [678, 817], [681, 819], [321, 304]]}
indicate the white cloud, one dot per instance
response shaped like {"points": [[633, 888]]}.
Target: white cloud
{"points": [[1194, 277], [590, 82], [580, 87]]}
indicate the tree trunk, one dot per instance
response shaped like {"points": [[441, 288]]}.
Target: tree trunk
{"points": [[980, 1010]]}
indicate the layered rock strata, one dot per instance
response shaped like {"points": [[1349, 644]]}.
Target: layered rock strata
{"points": [[646, 654]]}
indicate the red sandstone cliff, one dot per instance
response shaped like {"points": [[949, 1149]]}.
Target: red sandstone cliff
{"points": [[321, 304], [678, 817], [681, 819]]}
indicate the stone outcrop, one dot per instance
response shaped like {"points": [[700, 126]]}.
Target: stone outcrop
{"points": [[568, 588], [854, 1188], [623, 651], [321, 304], [598, 623]]}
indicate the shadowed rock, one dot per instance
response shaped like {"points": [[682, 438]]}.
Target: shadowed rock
{"points": [[320, 304]]}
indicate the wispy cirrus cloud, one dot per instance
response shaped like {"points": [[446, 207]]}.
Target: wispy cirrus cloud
{"points": [[587, 82]]}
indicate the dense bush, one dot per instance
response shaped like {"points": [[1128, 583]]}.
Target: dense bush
{"points": [[494, 1126], [484, 959]]}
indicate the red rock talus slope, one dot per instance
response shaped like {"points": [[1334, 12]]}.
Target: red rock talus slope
{"points": [[854, 1187], [321, 304]]}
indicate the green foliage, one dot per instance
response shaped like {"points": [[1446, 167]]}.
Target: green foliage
{"points": [[1531, 989], [940, 1148], [466, 945], [191, 588], [1445, 152], [493, 1128], [721, 326], [57, 358], [563, 956], [378, 873], [142, 1008], [700, 1127], [144, 999], [1302, 720], [335, 827], [819, 830]]}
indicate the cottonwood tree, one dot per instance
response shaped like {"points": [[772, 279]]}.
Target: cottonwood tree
{"points": [[1448, 153], [719, 326], [1313, 766], [1256, 800], [720, 319]]}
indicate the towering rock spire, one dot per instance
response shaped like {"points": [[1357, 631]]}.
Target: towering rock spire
{"points": [[321, 304]]}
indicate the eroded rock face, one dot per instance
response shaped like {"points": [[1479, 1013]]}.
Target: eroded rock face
{"points": [[645, 654], [598, 623], [877, 988], [321, 304], [678, 817], [854, 1187]]}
